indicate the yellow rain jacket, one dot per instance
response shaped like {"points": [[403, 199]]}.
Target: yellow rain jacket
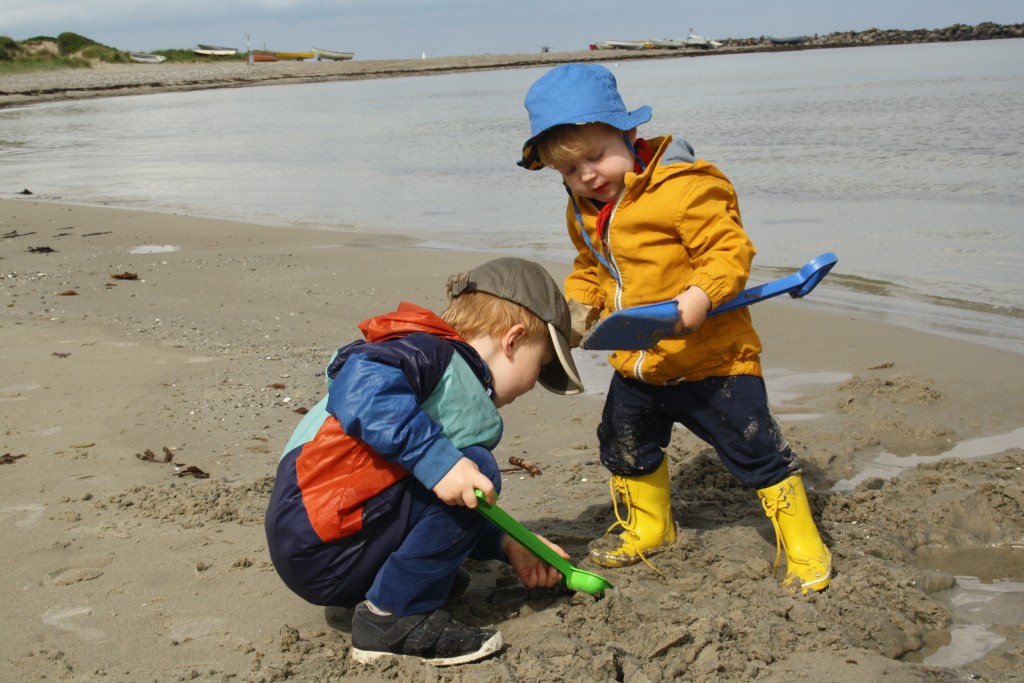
{"points": [[676, 225]]}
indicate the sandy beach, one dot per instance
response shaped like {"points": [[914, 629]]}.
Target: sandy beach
{"points": [[154, 366], [110, 80]]}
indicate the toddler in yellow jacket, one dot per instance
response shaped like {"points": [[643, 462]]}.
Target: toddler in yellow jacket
{"points": [[651, 222]]}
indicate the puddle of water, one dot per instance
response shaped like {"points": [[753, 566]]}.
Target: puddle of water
{"points": [[989, 593], [888, 465], [784, 386], [154, 249]]}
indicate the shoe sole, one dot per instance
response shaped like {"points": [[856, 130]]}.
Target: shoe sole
{"points": [[489, 647]]}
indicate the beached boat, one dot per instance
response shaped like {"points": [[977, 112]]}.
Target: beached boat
{"points": [[668, 44], [786, 40], [298, 56], [693, 40], [622, 45], [263, 57], [146, 58], [332, 55], [214, 52], [218, 49]]}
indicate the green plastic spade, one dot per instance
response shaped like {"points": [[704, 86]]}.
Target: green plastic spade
{"points": [[575, 579]]}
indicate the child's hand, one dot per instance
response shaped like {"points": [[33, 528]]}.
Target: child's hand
{"points": [[533, 571], [694, 305], [582, 317], [457, 486]]}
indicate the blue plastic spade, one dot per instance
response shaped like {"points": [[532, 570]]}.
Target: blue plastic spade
{"points": [[641, 327]]}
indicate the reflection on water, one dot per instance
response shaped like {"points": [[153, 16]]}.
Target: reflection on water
{"points": [[888, 465], [988, 597]]}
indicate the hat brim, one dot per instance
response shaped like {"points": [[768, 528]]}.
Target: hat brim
{"points": [[622, 121], [560, 376]]}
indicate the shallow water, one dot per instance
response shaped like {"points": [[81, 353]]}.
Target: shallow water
{"points": [[888, 465], [988, 597], [907, 161]]}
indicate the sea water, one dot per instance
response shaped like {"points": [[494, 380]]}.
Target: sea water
{"points": [[906, 161]]}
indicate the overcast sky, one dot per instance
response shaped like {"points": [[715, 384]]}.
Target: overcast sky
{"points": [[399, 29]]}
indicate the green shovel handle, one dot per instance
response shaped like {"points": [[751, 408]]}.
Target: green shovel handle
{"points": [[513, 528]]}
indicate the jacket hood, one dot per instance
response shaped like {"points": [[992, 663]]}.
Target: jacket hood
{"points": [[406, 320], [672, 157], [678, 151]]}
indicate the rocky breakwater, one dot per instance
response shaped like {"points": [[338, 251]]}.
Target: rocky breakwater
{"points": [[875, 36]]}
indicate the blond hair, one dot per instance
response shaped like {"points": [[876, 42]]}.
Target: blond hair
{"points": [[561, 145], [475, 314]]}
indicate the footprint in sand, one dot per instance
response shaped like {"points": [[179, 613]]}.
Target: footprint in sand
{"points": [[31, 517], [72, 575], [196, 628], [16, 392], [61, 617]]}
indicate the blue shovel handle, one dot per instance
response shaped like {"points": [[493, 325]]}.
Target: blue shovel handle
{"points": [[797, 285]]}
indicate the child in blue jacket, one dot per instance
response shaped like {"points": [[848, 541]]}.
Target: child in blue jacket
{"points": [[373, 501]]}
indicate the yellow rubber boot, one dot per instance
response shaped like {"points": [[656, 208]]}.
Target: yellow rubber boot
{"points": [[808, 561], [647, 527]]}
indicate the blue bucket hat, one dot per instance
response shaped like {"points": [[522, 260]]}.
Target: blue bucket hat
{"points": [[575, 93]]}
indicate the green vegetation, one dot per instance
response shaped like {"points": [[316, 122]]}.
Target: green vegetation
{"points": [[8, 46], [37, 54], [70, 43], [70, 50], [46, 53], [103, 53], [21, 66]]}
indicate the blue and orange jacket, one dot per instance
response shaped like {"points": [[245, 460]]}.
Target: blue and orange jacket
{"points": [[403, 402]]}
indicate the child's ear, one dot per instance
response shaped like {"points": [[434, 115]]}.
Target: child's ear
{"points": [[631, 136], [512, 338]]}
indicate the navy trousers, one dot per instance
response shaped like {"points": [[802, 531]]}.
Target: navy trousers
{"points": [[729, 413], [404, 561]]}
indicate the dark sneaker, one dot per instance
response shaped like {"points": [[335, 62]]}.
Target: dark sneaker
{"points": [[435, 637]]}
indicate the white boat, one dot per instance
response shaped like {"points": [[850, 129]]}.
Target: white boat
{"points": [[332, 55], [212, 51], [668, 44], [693, 40], [217, 49], [622, 45], [146, 58]]}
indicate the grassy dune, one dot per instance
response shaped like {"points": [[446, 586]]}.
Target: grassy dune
{"points": [[70, 50]]}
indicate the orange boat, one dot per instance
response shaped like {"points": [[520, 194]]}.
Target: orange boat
{"points": [[263, 57]]}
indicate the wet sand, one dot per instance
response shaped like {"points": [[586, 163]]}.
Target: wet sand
{"points": [[133, 338]]}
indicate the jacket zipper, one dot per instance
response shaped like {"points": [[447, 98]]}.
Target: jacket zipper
{"points": [[638, 372]]}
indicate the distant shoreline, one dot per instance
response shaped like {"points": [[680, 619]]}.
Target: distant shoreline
{"points": [[108, 80]]}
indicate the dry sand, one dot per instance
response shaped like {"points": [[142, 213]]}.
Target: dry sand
{"points": [[122, 567]]}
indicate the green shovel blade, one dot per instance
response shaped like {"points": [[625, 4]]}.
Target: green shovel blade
{"points": [[575, 579]]}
